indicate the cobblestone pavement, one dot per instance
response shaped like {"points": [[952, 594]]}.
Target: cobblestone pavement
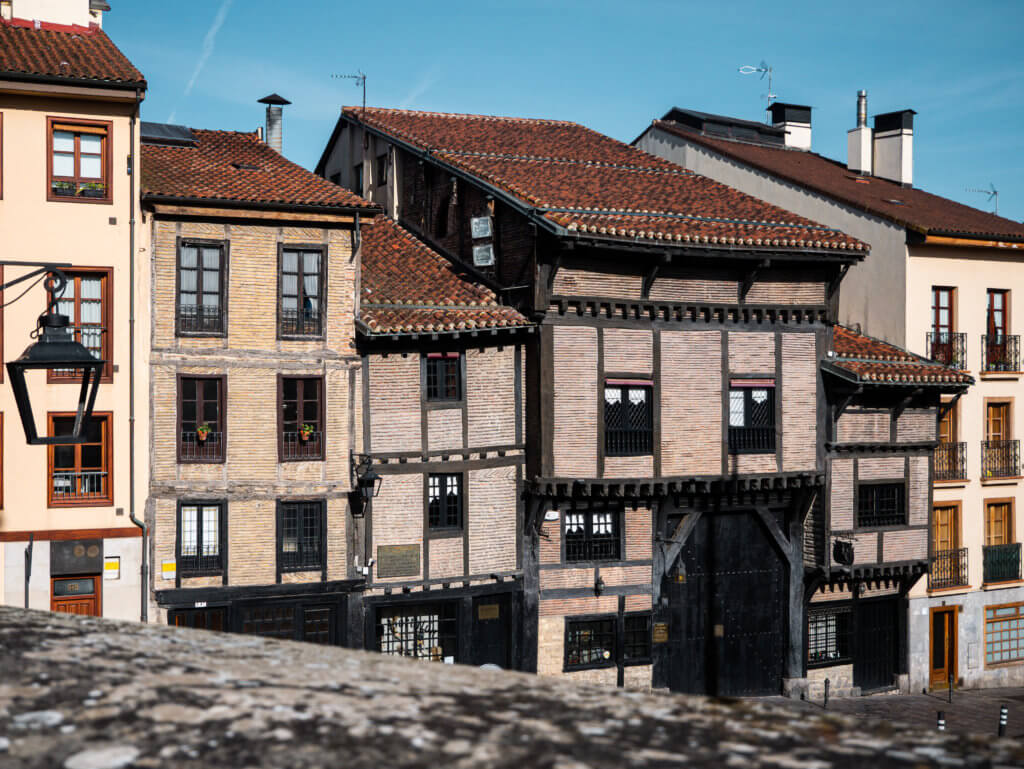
{"points": [[973, 711]]}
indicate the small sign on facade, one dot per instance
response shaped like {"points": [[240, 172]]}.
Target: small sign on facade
{"points": [[551, 515], [112, 567], [398, 560], [488, 611], [660, 634], [483, 256], [168, 569], [480, 226]]}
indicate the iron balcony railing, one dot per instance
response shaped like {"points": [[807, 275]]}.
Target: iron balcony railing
{"points": [[294, 446], [70, 485], [300, 322], [1000, 352], [203, 557], [194, 449], [200, 319], [1000, 459], [751, 440], [948, 568], [951, 462], [948, 347], [91, 338], [1001, 562]]}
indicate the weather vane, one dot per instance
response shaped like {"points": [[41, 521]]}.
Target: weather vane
{"points": [[764, 69]]}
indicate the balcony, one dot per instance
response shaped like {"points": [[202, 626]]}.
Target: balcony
{"points": [[70, 486], [1001, 562], [300, 322], [193, 448], [751, 440], [1000, 352], [948, 568], [951, 462], [200, 319], [1000, 459], [948, 348], [295, 447]]}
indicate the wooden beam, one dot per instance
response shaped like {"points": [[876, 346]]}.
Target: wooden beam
{"points": [[679, 537], [775, 530], [939, 240]]}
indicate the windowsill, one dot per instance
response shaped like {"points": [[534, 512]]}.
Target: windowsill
{"points": [[592, 666], [201, 573], [1007, 664], [751, 452], [1007, 375], [293, 460], [300, 569], [885, 527], [51, 198], [301, 337], [944, 590], [452, 404], [50, 379], [200, 334], [84, 502], [957, 483], [1004, 480], [616, 455], [445, 533], [218, 461], [595, 564], [1000, 585]]}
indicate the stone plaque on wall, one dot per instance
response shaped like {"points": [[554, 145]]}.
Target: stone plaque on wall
{"points": [[398, 560]]}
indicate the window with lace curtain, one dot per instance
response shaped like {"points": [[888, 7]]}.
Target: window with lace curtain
{"points": [[86, 302], [301, 288]]}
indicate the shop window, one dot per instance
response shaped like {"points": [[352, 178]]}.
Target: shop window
{"points": [[422, 631], [590, 643], [1004, 634], [828, 636]]}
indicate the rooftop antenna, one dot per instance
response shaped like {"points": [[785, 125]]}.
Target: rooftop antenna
{"points": [[992, 192], [766, 70], [360, 79]]}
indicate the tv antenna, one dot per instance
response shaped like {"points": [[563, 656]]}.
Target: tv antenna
{"points": [[360, 79], [992, 192], [765, 70]]}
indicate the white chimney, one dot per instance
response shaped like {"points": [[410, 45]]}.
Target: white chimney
{"points": [[795, 120], [274, 121], [858, 140], [894, 146]]}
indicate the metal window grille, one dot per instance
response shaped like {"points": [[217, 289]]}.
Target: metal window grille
{"points": [[301, 536], [201, 406], [948, 568], [590, 643], [752, 420], [423, 631], [200, 535], [200, 289], [83, 302], [301, 404], [269, 621], [948, 347], [301, 307], [593, 535], [1004, 634], [1000, 352], [80, 471], [637, 638], [444, 501], [828, 636], [882, 504], [1001, 563], [444, 377], [1000, 459], [628, 420], [316, 625], [88, 484], [950, 461]]}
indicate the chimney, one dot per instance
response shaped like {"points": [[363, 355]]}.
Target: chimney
{"points": [[274, 104], [795, 120], [894, 146], [858, 140]]}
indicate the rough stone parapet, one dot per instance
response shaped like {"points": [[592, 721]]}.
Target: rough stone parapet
{"points": [[88, 693]]}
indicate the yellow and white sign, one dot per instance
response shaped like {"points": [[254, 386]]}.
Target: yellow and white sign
{"points": [[168, 569], [112, 567]]}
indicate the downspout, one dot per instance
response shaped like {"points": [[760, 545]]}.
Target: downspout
{"points": [[143, 571]]}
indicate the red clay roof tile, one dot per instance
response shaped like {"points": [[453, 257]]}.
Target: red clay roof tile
{"points": [[873, 361]]}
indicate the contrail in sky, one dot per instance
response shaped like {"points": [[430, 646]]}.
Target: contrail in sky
{"points": [[208, 45]]}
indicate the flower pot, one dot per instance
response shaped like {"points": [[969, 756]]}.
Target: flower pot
{"points": [[202, 436], [87, 193]]}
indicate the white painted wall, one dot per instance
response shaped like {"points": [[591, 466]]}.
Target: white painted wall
{"points": [[57, 11]]}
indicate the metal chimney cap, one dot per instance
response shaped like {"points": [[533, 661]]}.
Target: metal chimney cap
{"points": [[273, 99]]}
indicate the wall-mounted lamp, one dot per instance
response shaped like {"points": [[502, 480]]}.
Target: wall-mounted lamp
{"points": [[598, 585], [366, 483]]}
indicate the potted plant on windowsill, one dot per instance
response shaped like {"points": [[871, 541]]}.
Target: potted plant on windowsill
{"points": [[305, 431], [63, 189], [203, 432], [93, 190]]}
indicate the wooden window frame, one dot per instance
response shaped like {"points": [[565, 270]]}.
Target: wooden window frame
{"points": [[609, 662], [444, 401], [952, 414], [875, 483], [106, 275], [108, 463], [300, 247], [1007, 422], [105, 160], [989, 328], [1010, 524], [933, 321], [649, 657], [321, 417], [1020, 615], [222, 539], [223, 413], [225, 261], [460, 525], [958, 507], [646, 435], [279, 547]]}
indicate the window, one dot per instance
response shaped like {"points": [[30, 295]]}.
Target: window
{"points": [[593, 535], [997, 421], [444, 376], [301, 425], [444, 501], [301, 535], [752, 416], [424, 631], [828, 636], [881, 504], [201, 619], [590, 643], [201, 419], [201, 288], [80, 472], [949, 423], [628, 417], [201, 538], [998, 306], [79, 159], [269, 621], [998, 523], [1004, 633], [946, 527], [382, 170], [336, 178], [86, 301], [301, 291], [637, 638], [942, 311], [357, 179]]}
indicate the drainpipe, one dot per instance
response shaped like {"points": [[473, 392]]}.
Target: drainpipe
{"points": [[144, 587]]}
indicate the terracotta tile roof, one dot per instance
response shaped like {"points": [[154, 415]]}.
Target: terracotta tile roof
{"points": [[587, 182], [907, 206], [872, 361], [62, 52], [407, 287], [236, 167]]}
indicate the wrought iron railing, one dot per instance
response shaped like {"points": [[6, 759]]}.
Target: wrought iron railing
{"points": [[295, 446], [948, 347], [200, 319], [1000, 352], [193, 448], [91, 338], [70, 485], [205, 558], [951, 462], [1000, 459], [751, 440], [948, 568], [300, 322], [1001, 562]]}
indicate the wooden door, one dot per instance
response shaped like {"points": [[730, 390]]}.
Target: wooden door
{"points": [[76, 595], [997, 421], [943, 648], [877, 650], [998, 523], [946, 531]]}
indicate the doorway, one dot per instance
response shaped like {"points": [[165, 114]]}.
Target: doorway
{"points": [[943, 647], [76, 595]]}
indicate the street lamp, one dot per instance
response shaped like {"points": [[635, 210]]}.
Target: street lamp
{"points": [[54, 350], [367, 486]]}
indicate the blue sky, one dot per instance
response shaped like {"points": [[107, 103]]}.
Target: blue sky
{"points": [[612, 66]]}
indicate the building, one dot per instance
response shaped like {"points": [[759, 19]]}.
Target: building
{"points": [[69, 127], [940, 281]]}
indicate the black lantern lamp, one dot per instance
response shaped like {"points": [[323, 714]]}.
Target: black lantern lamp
{"points": [[56, 350], [366, 487], [369, 484]]}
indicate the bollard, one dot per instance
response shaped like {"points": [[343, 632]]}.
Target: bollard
{"points": [[1004, 713], [827, 682], [941, 721]]}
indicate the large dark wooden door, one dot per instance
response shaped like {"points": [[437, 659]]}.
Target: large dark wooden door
{"points": [[874, 663], [728, 611], [491, 624]]}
